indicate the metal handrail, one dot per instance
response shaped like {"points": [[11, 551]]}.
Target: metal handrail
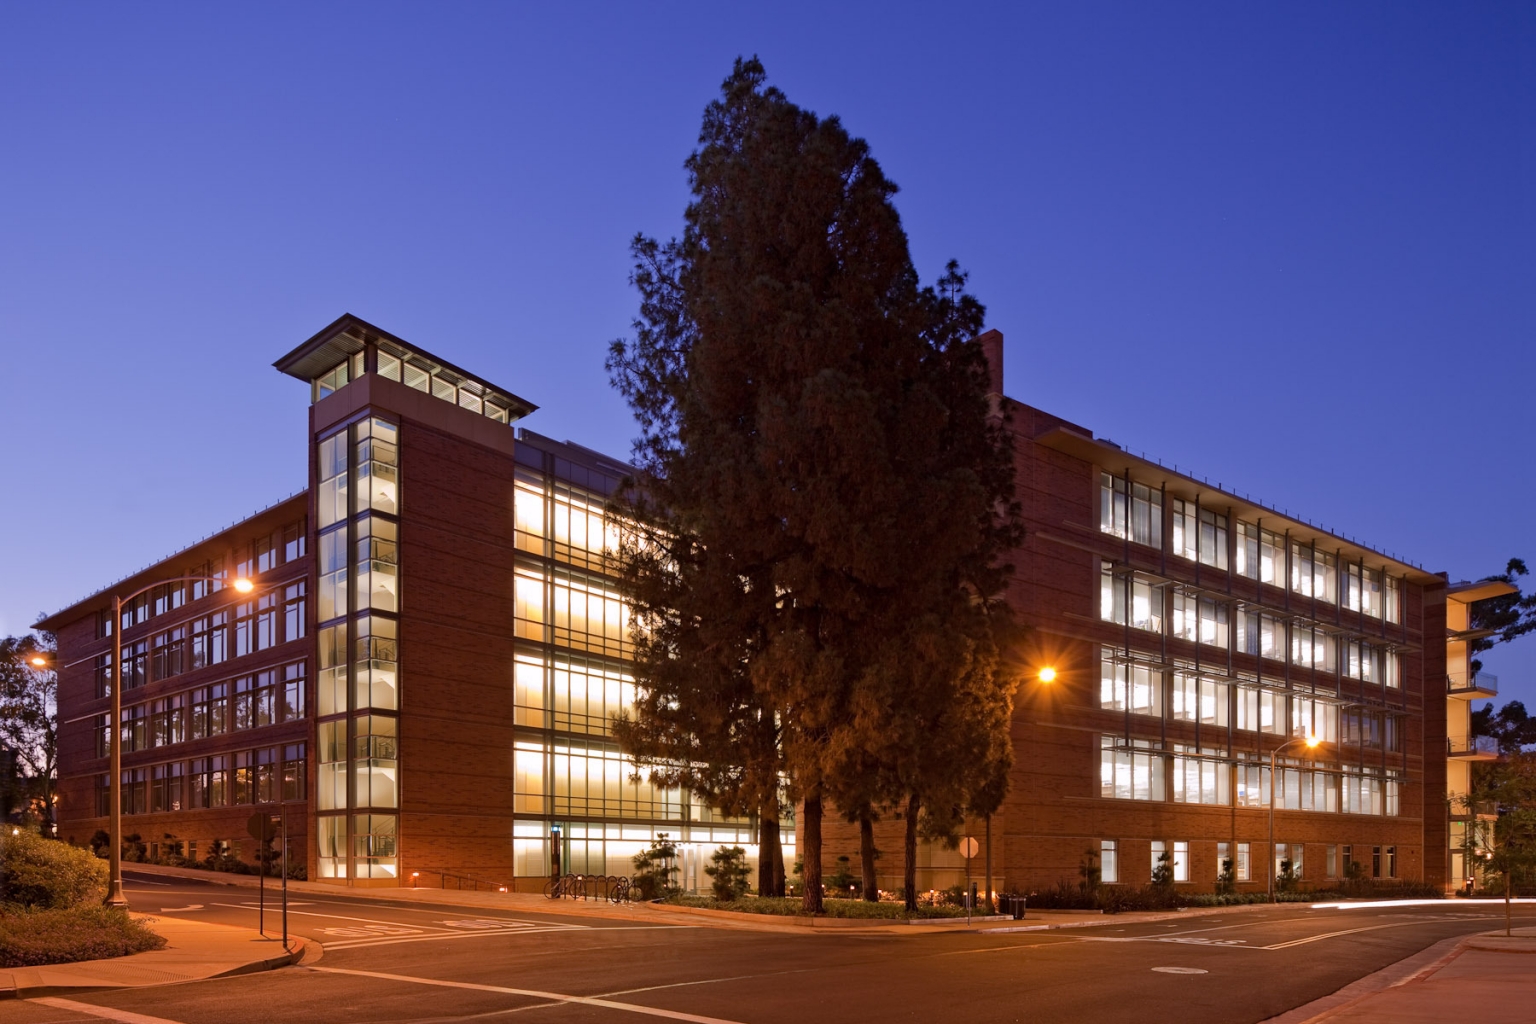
{"points": [[459, 881]]}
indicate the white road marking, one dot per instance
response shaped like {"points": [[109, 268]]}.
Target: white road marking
{"points": [[181, 910], [1346, 931], [105, 1012], [1181, 970], [145, 881], [556, 997], [440, 936]]}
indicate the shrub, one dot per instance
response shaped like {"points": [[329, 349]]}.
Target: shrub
{"points": [[48, 874], [29, 938], [656, 869], [728, 870], [841, 880]]}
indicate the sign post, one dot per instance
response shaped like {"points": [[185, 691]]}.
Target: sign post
{"points": [[261, 830], [968, 848], [283, 810]]}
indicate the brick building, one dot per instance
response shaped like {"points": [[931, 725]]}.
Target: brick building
{"points": [[426, 670]]}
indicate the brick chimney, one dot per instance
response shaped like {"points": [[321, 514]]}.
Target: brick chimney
{"points": [[991, 343]]}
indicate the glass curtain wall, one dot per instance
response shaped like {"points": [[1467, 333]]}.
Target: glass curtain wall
{"points": [[357, 791], [570, 677]]}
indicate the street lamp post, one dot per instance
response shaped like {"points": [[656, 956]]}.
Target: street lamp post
{"points": [[115, 897], [1310, 741]]}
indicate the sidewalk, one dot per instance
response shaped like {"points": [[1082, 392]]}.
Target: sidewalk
{"points": [[194, 951], [1488, 977], [651, 913]]}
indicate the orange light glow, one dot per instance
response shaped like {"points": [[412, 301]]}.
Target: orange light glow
{"points": [[1311, 742], [1048, 674], [244, 585], [38, 661]]}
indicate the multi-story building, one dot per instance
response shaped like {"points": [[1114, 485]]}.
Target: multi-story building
{"points": [[428, 667], [1191, 632], [1470, 821]]}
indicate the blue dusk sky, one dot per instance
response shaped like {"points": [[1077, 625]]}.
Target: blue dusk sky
{"points": [[1290, 245]]}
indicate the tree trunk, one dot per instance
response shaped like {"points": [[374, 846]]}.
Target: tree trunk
{"points": [[811, 862], [767, 836], [867, 854], [909, 851], [1509, 885], [778, 862]]}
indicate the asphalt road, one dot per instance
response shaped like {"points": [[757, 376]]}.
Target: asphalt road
{"points": [[388, 962]]}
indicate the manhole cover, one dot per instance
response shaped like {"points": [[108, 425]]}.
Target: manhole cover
{"points": [[1180, 970]]}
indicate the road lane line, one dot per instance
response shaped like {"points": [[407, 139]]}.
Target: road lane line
{"points": [[556, 997], [541, 930], [335, 917], [105, 1012], [1331, 935]]}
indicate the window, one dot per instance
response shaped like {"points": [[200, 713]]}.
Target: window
{"points": [[1375, 862], [373, 845], [135, 664], [1244, 873], [1261, 634], [214, 572], [256, 699], [1224, 860], [1370, 592], [332, 696], [1391, 862], [1146, 600], [1130, 510], [1313, 572], [293, 772], [1332, 861], [1200, 780], [1133, 772], [331, 496], [1252, 785], [1213, 622], [378, 568], [375, 678], [1288, 855], [1129, 685], [1180, 861], [266, 621], [1109, 861], [1260, 554], [169, 652], [1199, 699], [1391, 670], [210, 711], [1392, 604], [1260, 710], [332, 593], [376, 762], [265, 551], [167, 597], [101, 668], [1313, 648], [293, 691], [210, 640], [1199, 534], [332, 381], [331, 846], [293, 611], [331, 756], [1312, 717], [378, 463], [208, 780], [103, 625], [294, 541]]}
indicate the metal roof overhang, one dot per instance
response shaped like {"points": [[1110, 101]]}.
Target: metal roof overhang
{"points": [[347, 335], [1114, 459], [1467, 593]]}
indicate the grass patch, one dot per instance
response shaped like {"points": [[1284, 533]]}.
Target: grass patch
{"points": [[792, 907], [31, 938]]}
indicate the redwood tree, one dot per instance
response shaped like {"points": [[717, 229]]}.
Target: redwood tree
{"points": [[822, 492]]}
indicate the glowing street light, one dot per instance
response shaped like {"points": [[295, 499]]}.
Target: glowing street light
{"points": [[1048, 674], [244, 585]]}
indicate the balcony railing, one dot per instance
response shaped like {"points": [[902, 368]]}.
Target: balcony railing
{"points": [[1483, 684], [1475, 748]]}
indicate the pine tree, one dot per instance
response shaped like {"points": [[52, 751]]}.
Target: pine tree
{"points": [[823, 492]]}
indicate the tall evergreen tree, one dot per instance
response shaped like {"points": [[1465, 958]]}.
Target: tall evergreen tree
{"points": [[822, 495]]}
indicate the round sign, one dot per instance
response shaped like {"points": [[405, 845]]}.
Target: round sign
{"points": [[968, 847]]}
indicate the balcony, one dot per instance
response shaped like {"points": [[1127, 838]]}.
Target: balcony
{"points": [[1473, 748], [1469, 687]]}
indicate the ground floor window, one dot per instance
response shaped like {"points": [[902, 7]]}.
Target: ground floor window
{"points": [[1109, 863]]}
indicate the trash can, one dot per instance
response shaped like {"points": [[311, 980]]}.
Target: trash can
{"points": [[1014, 906]]}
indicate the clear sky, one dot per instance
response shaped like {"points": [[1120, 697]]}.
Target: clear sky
{"points": [[1292, 246]]}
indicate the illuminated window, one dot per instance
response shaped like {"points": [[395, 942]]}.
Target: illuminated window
{"points": [[1109, 861], [1135, 686], [331, 495], [378, 565], [1131, 510], [1130, 772], [1145, 600], [378, 461]]}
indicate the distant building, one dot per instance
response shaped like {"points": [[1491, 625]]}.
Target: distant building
{"points": [[427, 670]]}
